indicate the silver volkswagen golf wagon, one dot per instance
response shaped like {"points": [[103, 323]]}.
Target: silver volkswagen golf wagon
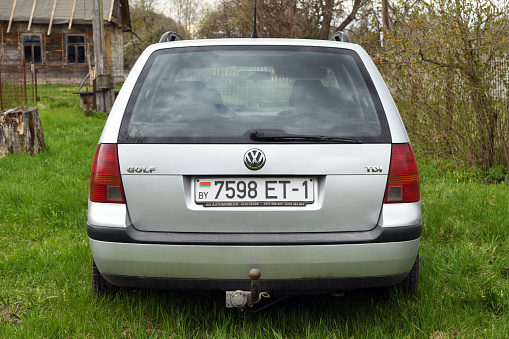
{"points": [[251, 166]]}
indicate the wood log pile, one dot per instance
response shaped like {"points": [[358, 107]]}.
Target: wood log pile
{"points": [[21, 131]]}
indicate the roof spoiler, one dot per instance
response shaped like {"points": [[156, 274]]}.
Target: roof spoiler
{"points": [[339, 36], [170, 36]]}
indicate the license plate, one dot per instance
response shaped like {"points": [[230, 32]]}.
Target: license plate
{"points": [[243, 192]]}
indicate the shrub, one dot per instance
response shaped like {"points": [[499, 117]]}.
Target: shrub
{"points": [[445, 63]]}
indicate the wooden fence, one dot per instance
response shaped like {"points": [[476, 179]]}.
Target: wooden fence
{"points": [[27, 84]]}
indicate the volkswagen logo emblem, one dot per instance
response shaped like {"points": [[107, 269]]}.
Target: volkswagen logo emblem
{"points": [[254, 159]]}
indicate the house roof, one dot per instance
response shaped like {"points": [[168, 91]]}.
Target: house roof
{"points": [[62, 11]]}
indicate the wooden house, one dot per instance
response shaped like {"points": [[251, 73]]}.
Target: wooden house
{"points": [[56, 37]]}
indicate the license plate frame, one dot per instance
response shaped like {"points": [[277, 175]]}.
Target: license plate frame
{"points": [[296, 191]]}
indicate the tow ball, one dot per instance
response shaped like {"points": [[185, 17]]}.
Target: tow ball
{"points": [[240, 299]]}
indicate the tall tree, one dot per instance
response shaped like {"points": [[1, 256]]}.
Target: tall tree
{"points": [[280, 18], [357, 5], [187, 14], [148, 26], [328, 9]]}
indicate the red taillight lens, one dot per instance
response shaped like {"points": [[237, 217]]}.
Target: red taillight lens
{"points": [[403, 183], [105, 182]]}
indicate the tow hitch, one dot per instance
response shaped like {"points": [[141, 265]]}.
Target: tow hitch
{"points": [[240, 299]]}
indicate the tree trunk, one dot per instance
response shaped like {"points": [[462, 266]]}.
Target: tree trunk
{"points": [[291, 10], [327, 13], [20, 131], [385, 13]]}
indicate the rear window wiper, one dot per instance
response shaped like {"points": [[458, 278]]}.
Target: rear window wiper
{"points": [[278, 136]]}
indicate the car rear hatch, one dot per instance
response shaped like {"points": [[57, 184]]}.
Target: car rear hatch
{"points": [[246, 139], [335, 187]]}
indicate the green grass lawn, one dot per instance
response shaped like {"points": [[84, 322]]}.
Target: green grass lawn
{"points": [[45, 288]]}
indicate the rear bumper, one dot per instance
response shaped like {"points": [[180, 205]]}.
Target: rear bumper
{"points": [[288, 268], [300, 261]]}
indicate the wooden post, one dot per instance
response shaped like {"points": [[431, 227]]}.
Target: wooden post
{"points": [[32, 15], [98, 35], [37, 99], [12, 15], [94, 95], [111, 9], [52, 16], [25, 78], [1, 98], [103, 96], [72, 14], [32, 89]]}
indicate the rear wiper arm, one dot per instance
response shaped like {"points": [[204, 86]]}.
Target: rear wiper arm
{"points": [[271, 136]]}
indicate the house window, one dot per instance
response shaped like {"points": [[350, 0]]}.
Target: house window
{"points": [[32, 50], [76, 49]]}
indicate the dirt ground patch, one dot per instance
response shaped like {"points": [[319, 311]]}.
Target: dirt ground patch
{"points": [[10, 314]]}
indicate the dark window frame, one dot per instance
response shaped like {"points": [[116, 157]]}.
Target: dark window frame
{"points": [[33, 47], [75, 46]]}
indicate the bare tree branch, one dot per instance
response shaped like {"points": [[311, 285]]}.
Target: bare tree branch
{"points": [[356, 6]]}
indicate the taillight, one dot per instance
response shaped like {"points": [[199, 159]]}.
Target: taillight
{"points": [[403, 183], [105, 182]]}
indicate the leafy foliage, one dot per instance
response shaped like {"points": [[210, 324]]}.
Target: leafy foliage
{"points": [[305, 19], [497, 174], [445, 62], [148, 26]]}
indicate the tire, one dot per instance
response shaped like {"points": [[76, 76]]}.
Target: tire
{"points": [[411, 281], [100, 286]]}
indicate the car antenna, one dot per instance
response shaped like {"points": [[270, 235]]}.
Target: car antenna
{"points": [[254, 34]]}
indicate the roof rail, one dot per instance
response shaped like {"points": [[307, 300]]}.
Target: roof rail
{"points": [[339, 36], [170, 36]]}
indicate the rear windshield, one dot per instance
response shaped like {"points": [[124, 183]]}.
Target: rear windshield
{"points": [[227, 94]]}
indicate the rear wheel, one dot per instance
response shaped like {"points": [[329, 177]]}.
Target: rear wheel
{"points": [[411, 281], [99, 285]]}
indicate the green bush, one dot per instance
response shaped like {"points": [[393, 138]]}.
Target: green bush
{"points": [[446, 65]]}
